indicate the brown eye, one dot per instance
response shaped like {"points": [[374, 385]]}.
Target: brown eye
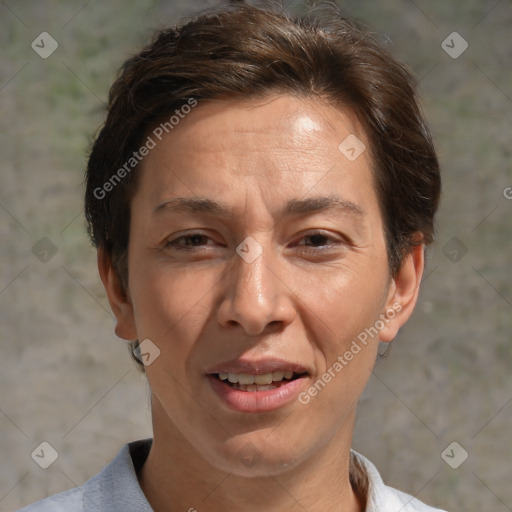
{"points": [[188, 241], [316, 240]]}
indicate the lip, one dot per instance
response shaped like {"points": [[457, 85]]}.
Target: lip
{"points": [[257, 367], [257, 401]]}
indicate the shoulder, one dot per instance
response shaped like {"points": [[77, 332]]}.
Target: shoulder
{"points": [[114, 489], [408, 503], [382, 498], [69, 501]]}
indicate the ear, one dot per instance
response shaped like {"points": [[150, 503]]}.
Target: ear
{"points": [[403, 293], [118, 298]]}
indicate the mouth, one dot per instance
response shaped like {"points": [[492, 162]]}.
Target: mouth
{"points": [[251, 383], [257, 386]]}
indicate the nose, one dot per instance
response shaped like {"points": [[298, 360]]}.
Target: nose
{"points": [[256, 297]]}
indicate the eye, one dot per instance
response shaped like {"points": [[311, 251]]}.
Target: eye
{"points": [[316, 240], [189, 242], [319, 240]]}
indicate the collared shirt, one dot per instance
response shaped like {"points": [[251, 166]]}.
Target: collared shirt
{"points": [[116, 488]]}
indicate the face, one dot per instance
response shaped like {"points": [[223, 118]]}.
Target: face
{"points": [[257, 267]]}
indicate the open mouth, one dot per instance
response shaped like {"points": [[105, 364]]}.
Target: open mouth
{"points": [[263, 382], [258, 386]]}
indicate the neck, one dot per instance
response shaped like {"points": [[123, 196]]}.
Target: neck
{"points": [[176, 477]]}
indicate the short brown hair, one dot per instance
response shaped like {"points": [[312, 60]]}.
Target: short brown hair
{"points": [[242, 51]]}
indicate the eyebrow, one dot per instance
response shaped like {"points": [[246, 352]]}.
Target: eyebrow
{"points": [[294, 207]]}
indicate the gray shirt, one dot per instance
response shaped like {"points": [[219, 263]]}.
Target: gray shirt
{"points": [[116, 488]]}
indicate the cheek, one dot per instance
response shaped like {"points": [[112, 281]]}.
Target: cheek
{"points": [[345, 306], [171, 304], [347, 300]]}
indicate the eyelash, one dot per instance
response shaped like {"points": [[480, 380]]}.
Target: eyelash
{"points": [[173, 244]]}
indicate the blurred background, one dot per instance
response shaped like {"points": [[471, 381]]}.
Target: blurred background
{"points": [[436, 415]]}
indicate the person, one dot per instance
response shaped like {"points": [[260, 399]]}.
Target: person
{"points": [[261, 196]]}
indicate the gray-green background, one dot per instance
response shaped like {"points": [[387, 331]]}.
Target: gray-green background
{"points": [[66, 379]]}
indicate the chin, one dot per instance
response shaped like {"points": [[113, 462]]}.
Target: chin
{"points": [[255, 458]]}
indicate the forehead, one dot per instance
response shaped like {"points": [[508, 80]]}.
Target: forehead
{"points": [[298, 123], [280, 147]]}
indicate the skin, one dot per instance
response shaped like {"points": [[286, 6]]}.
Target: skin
{"points": [[304, 299]]}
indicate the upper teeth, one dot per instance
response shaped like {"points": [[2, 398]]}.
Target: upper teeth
{"points": [[247, 378]]}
